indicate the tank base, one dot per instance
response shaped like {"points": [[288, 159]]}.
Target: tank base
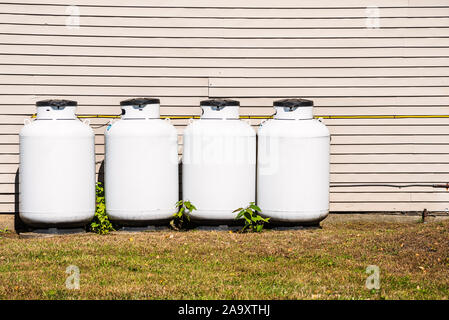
{"points": [[140, 223], [59, 226], [291, 218], [282, 225], [215, 218], [143, 228], [39, 220], [216, 223], [58, 230], [222, 227]]}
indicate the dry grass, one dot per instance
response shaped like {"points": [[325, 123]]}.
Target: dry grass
{"points": [[327, 263]]}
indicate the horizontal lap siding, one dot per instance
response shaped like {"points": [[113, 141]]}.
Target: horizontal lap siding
{"points": [[185, 51]]}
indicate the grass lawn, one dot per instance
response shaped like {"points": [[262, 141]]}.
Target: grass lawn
{"points": [[326, 263]]}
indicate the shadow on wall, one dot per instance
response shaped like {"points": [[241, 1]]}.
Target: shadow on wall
{"points": [[19, 226], [180, 180], [101, 173]]}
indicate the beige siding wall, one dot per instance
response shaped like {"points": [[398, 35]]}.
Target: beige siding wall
{"points": [[256, 51]]}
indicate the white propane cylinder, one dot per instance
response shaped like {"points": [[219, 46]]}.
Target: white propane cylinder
{"points": [[218, 165], [57, 168], [293, 164], [141, 165]]}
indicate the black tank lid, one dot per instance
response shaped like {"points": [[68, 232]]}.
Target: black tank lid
{"points": [[139, 101], [293, 103], [219, 102], [56, 103]]}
